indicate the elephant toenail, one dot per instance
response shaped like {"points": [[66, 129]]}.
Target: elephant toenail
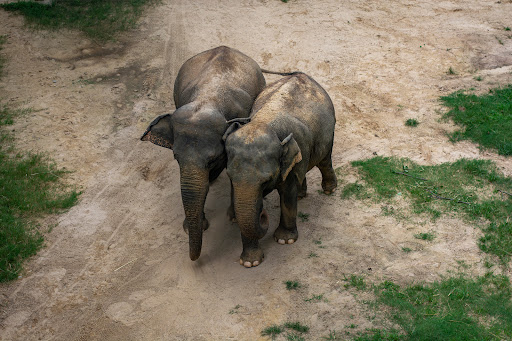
{"points": [[256, 263], [291, 241], [281, 241], [247, 264]]}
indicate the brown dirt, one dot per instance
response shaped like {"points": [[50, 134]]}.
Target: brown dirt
{"points": [[116, 266]]}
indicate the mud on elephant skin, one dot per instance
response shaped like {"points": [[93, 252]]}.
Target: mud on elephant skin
{"points": [[212, 88], [291, 131]]}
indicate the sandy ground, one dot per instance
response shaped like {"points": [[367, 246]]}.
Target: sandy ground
{"points": [[116, 266]]}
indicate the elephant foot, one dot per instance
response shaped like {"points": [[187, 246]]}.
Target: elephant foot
{"points": [[329, 187], [285, 236], [251, 258]]}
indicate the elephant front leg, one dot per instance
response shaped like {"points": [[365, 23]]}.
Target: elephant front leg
{"points": [[303, 190], [252, 254], [286, 232]]}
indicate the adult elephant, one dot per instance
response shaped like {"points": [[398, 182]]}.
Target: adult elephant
{"points": [[212, 89], [291, 131]]}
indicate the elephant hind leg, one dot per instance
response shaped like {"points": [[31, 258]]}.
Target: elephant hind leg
{"points": [[302, 190], [329, 180]]}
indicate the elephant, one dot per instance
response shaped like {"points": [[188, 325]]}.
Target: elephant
{"points": [[291, 131], [212, 89]]}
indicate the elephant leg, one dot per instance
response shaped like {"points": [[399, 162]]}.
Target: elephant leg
{"points": [[231, 208], [329, 180], [303, 190], [252, 255], [286, 232]]}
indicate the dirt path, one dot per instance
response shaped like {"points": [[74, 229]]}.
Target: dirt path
{"points": [[116, 266]]}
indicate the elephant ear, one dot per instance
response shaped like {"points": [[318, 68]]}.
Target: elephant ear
{"points": [[290, 155], [160, 132]]}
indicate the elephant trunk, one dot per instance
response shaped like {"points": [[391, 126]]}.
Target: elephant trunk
{"points": [[194, 187], [250, 215]]}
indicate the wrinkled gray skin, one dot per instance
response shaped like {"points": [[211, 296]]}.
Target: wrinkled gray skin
{"points": [[211, 88], [291, 131]]}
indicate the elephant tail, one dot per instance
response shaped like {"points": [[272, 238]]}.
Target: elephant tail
{"points": [[281, 73]]}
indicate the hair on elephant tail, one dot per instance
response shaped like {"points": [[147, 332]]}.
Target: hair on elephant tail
{"points": [[281, 73], [241, 120]]}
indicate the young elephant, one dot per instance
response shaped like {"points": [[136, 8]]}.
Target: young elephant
{"points": [[211, 88], [291, 131]]}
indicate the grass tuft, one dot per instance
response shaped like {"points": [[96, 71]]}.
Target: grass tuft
{"points": [[98, 19], [428, 236], [272, 331], [297, 326], [303, 216], [292, 285], [411, 122], [486, 119], [354, 281]]}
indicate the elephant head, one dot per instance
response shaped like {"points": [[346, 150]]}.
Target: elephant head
{"points": [[257, 162], [195, 136]]}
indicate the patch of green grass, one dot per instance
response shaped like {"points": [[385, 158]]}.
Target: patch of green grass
{"points": [[406, 249], [412, 122], [303, 216], [235, 309], [485, 119], [457, 307], [354, 189], [297, 326], [312, 255], [354, 281], [451, 71], [506, 28], [470, 188], [292, 285], [272, 331], [428, 236], [98, 19], [30, 186], [316, 298], [478, 78]]}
